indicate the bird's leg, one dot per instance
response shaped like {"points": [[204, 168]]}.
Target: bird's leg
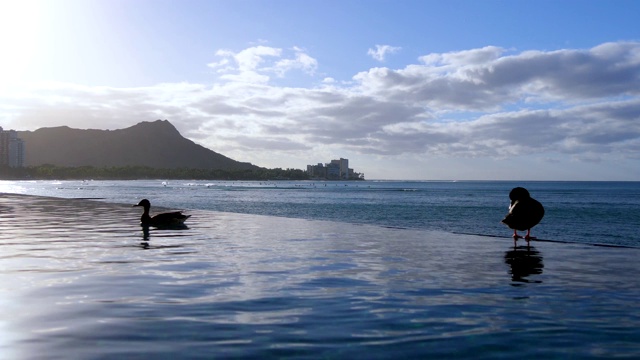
{"points": [[528, 236], [515, 238]]}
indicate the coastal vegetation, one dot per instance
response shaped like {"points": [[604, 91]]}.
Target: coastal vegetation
{"points": [[144, 172]]}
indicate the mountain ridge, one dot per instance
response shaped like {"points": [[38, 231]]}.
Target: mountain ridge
{"points": [[156, 144]]}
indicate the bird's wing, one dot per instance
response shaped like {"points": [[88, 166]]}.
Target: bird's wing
{"points": [[512, 207], [168, 216]]}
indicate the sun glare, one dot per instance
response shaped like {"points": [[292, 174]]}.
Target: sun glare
{"points": [[19, 35]]}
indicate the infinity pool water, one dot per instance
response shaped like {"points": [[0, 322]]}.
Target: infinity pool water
{"points": [[80, 279]]}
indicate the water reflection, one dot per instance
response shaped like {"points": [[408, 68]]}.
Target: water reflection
{"points": [[248, 286], [146, 232], [524, 261], [145, 237]]}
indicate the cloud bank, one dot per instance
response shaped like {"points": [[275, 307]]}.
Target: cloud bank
{"points": [[486, 102]]}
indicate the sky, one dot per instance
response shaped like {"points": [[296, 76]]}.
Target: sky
{"points": [[410, 90]]}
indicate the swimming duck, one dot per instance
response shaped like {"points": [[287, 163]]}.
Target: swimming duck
{"points": [[525, 212], [161, 220]]}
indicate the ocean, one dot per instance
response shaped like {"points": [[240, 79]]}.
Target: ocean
{"points": [[317, 270], [605, 213]]}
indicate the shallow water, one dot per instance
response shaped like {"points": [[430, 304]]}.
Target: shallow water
{"points": [[580, 212], [79, 279]]}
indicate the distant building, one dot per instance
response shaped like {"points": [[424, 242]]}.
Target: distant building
{"points": [[11, 149], [343, 165], [317, 171], [334, 170]]}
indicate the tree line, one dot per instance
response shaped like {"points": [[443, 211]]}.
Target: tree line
{"points": [[143, 172]]}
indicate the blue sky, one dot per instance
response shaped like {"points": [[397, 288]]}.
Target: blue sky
{"points": [[522, 90]]}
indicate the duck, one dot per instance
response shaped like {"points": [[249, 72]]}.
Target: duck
{"points": [[525, 212], [168, 219]]}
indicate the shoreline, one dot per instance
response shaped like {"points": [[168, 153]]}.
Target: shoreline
{"points": [[503, 237], [4, 178]]}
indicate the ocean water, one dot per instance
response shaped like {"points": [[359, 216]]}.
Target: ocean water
{"points": [[581, 212], [386, 270]]}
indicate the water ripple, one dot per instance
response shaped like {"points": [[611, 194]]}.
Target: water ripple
{"points": [[81, 279]]}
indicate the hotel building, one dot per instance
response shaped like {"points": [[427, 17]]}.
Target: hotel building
{"points": [[335, 170], [11, 149]]}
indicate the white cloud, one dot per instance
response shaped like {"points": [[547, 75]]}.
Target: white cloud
{"points": [[381, 51], [256, 64], [301, 61], [249, 59], [579, 105], [465, 57]]}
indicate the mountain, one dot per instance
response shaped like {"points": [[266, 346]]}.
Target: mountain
{"points": [[155, 144]]}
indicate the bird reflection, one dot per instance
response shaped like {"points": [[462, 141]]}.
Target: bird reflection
{"points": [[146, 234], [524, 262]]}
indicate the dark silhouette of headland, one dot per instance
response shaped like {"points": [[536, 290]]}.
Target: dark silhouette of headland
{"points": [[147, 150], [156, 144]]}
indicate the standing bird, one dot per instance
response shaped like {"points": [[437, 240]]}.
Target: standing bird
{"points": [[525, 212], [161, 220]]}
